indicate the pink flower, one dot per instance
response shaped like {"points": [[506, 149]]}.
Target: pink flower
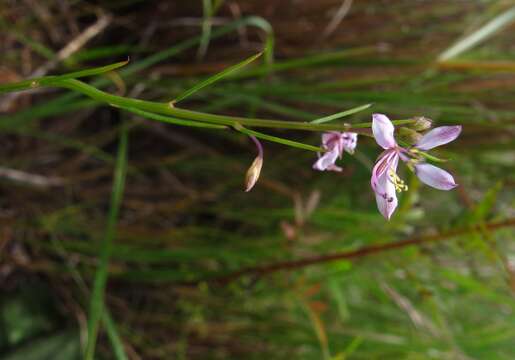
{"points": [[335, 143], [386, 183]]}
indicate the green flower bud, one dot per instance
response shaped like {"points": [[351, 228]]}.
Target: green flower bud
{"points": [[421, 123], [409, 136]]}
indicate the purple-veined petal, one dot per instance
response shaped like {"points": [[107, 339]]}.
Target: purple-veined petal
{"points": [[438, 136], [330, 139], [384, 189], [386, 198], [434, 176], [383, 129], [326, 160], [386, 162]]}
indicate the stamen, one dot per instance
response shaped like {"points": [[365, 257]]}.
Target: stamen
{"points": [[399, 184]]}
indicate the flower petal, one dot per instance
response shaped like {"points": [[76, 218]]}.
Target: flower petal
{"points": [[438, 136], [349, 141], [327, 160], [383, 129], [330, 139], [335, 168], [388, 161], [386, 206], [435, 177], [384, 189], [386, 198]]}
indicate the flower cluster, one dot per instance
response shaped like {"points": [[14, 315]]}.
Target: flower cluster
{"points": [[385, 182], [335, 143]]}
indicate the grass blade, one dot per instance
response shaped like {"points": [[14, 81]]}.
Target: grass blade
{"points": [[93, 71], [114, 336], [97, 296], [488, 30], [340, 114], [251, 21], [50, 80], [208, 12], [216, 77]]}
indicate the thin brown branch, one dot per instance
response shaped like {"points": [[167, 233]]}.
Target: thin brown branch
{"points": [[338, 17], [72, 47], [30, 179], [259, 271]]}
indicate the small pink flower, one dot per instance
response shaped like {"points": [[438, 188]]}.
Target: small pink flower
{"points": [[385, 182], [335, 143]]}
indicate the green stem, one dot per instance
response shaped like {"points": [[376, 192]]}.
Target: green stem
{"points": [[97, 301], [276, 139], [166, 109]]}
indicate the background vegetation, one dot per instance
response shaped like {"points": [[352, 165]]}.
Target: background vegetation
{"points": [[303, 266]]}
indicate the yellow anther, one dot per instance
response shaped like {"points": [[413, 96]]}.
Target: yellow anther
{"points": [[397, 181]]}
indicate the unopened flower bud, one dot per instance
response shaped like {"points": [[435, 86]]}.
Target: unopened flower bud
{"points": [[253, 172], [409, 136], [421, 123]]}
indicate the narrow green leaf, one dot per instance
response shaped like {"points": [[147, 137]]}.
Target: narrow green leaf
{"points": [[93, 71], [113, 335], [216, 77], [17, 86], [304, 62], [172, 120], [340, 114], [279, 140], [484, 32], [207, 11], [97, 296], [54, 79]]}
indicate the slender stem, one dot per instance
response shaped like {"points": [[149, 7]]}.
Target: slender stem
{"points": [[276, 139], [258, 145], [175, 121], [166, 109]]}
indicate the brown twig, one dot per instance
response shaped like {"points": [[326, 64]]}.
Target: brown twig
{"points": [[342, 11], [72, 47], [30, 179], [263, 270]]}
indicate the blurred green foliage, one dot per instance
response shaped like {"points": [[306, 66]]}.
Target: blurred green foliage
{"points": [[184, 219]]}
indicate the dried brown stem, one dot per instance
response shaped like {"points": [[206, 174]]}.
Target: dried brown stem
{"points": [[72, 47], [259, 271]]}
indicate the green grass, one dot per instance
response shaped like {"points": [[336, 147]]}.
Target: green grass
{"points": [[134, 278], [97, 305]]}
